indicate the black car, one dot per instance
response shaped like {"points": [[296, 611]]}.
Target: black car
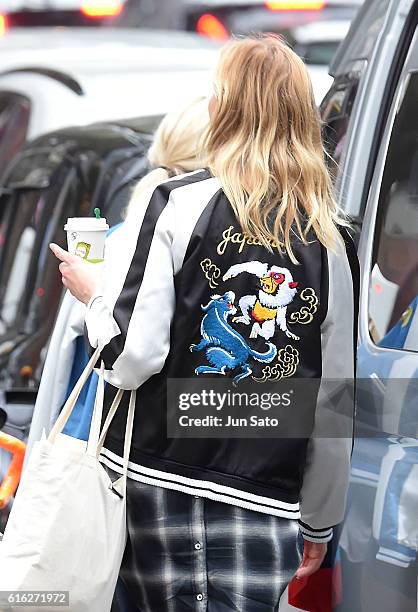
{"points": [[59, 175]]}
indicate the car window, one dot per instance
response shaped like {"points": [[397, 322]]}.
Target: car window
{"points": [[336, 111], [14, 120], [362, 37], [318, 53], [393, 295]]}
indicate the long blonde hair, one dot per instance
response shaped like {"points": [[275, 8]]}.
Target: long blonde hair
{"points": [[177, 146], [264, 144]]}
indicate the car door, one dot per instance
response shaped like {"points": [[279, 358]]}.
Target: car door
{"points": [[379, 540]]}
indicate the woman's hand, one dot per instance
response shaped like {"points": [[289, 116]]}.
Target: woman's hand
{"points": [[313, 555], [80, 277]]}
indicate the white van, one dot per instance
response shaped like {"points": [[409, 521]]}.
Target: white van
{"points": [[51, 78]]}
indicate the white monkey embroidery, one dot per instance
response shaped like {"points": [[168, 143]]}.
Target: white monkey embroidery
{"points": [[268, 309]]}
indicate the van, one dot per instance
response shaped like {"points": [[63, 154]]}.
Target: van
{"points": [[371, 135]]}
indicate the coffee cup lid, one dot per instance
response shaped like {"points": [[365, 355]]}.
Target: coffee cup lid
{"points": [[86, 224]]}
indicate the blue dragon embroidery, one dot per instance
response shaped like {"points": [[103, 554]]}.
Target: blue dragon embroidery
{"points": [[225, 348]]}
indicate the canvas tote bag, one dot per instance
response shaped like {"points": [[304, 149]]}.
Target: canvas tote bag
{"points": [[67, 527]]}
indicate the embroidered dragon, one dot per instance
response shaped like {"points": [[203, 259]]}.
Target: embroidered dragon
{"points": [[224, 347]]}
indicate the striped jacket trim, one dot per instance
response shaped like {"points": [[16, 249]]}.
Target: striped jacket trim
{"points": [[205, 488]]}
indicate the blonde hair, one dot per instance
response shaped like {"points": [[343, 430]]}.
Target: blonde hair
{"points": [[264, 144], [177, 146], [178, 139]]}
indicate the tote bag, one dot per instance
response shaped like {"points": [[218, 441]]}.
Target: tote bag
{"points": [[67, 527]]}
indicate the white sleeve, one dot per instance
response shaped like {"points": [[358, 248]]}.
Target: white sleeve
{"points": [[131, 320], [326, 475], [56, 371], [100, 324]]}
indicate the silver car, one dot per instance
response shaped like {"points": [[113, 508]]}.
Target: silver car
{"points": [[371, 132]]}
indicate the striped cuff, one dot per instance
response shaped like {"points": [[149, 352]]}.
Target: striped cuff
{"points": [[320, 536], [395, 557]]}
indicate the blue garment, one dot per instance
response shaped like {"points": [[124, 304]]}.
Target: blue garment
{"points": [[369, 365], [370, 465], [78, 425], [396, 337]]}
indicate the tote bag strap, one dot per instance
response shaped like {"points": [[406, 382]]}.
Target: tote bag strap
{"points": [[109, 417], [128, 433], [128, 429], [96, 439], [96, 418], [69, 405]]}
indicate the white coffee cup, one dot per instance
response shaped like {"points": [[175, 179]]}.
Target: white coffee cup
{"points": [[86, 237]]}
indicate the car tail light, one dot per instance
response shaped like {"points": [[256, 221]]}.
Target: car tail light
{"points": [[3, 24], [26, 371], [295, 5], [101, 8], [209, 25]]}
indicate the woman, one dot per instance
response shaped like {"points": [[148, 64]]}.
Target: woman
{"points": [[242, 273], [176, 148]]}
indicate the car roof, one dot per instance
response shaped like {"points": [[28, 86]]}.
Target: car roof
{"points": [[105, 98], [99, 50], [78, 36], [323, 31]]}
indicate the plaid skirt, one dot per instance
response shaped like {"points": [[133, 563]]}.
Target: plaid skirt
{"points": [[186, 553]]}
